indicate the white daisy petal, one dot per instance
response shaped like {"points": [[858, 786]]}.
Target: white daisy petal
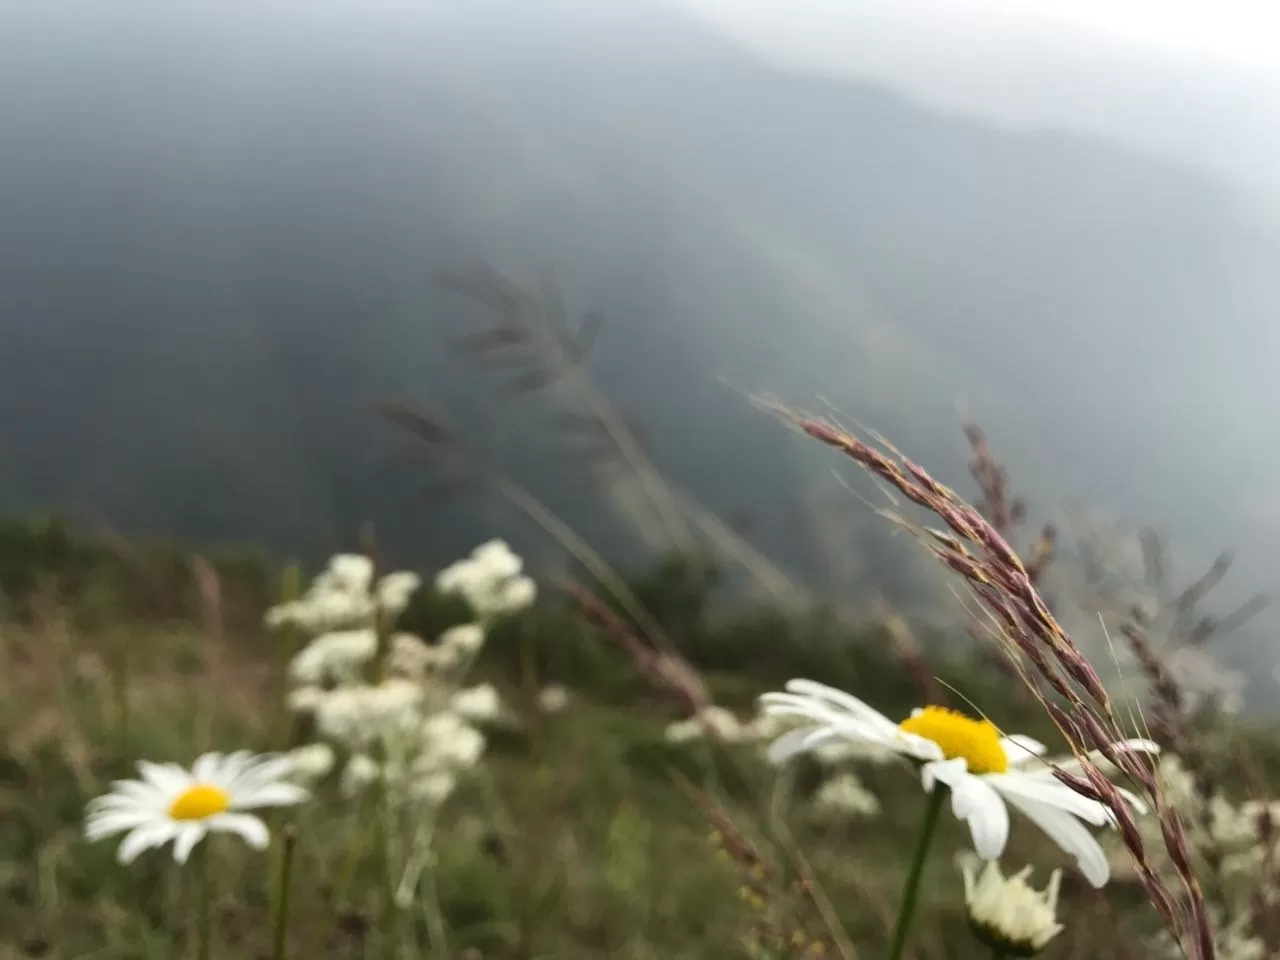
{"points": [[164, 776], [943, 771], [1139, 805], [100, 826], [793, 743], [250, 828], [150, 798], [127, 789], [206, 767], [189, 834], [1069, 834], [144, 838], [231, 766], [846, 702], [270, 795], [1021, 749], [792, 705], [975, 802], [1051, 793], [265, 770], [832, 715], [914, 746], [1072, 764]]}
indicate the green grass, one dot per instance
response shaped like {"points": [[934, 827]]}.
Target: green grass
{"points": [[576, 838]]}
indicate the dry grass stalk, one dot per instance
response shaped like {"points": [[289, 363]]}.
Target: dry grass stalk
{"points": [[667, 669], [907, 649], [1007, 514], [529, 334], [783, 927], [1021, 620], [1173, 713]]}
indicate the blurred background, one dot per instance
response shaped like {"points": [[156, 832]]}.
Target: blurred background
{"points": [[223, 228]]}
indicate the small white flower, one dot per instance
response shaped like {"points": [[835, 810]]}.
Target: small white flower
{"points": [[311, 762], [396, 589], [433, 788], [351, 572], [326, 609], [170, 803], [282, 614], [306, 699], [683, 731], [497, 559], [845, 795], [410, 656], [361, 770], [465, 639], [553, 699], [448, 741], [489, 580], [983, 770], [766, 726], [515, 595], [334, 656], [361, 715], [1007, 915], [711, 721], [478, 704]]}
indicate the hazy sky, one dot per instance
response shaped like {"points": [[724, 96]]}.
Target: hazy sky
{"points": [[1240, 32], [1192, 80]]}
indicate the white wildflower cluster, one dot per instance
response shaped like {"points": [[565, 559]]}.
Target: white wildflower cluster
{"points": [[553, 699], [392, 710], [1242, 839], [490, 580], [844, 797], [345, 598], [1203, 680], [719, 724], [1232, 940]]}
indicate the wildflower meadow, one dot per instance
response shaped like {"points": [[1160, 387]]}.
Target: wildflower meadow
{"points": [[472, 763]]}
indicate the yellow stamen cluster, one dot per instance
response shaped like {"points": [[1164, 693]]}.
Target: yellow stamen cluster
{"points": [[199, 802], [977, 741]]}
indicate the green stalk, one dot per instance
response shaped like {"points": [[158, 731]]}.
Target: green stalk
{"points": [[204, 936], [911, 892], [289, 838]]}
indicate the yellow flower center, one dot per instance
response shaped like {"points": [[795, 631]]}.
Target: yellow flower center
{"points": [[198, 802], [977, 741]]}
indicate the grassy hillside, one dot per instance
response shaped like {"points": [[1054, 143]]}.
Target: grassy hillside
{"points": [[590, 827]]}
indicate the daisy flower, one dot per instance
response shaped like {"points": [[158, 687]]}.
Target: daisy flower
{"points": [[987, 773], [170, 803], [1007, 914]]}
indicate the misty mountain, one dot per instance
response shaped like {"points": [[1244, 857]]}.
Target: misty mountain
{"points": [[221, 234]]}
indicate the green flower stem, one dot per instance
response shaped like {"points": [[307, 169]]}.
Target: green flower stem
{"points": [[289, 839], [204, 935], [911, 892]]}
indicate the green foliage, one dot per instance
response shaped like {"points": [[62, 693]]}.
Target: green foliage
{"points": [[576, 840]]}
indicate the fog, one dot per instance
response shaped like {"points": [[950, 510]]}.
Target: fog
{"points": [[1192, 83], [219, 232]]}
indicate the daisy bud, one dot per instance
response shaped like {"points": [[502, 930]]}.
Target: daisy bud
{"points": [[1007, 915]]}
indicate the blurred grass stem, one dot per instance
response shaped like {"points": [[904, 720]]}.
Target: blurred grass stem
{"points": [[289, 840]]}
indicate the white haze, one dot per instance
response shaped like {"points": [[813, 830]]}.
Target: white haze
{"points": [[1191, 81]]}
